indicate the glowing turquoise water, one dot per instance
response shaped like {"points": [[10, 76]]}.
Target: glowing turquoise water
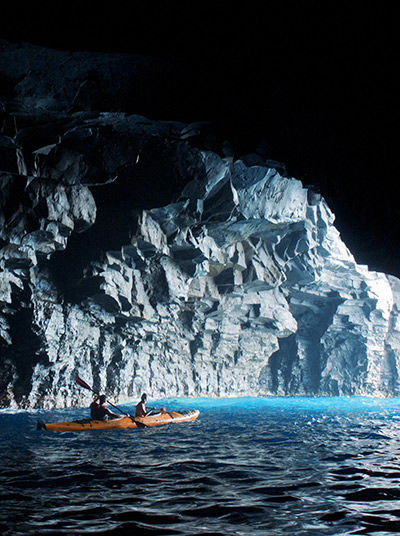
{"points": [[251, 466]]}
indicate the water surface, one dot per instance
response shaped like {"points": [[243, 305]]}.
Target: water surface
{"points": [[253, 466]]}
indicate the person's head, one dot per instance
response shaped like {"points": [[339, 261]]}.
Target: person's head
{"points": [[102, 399], [144, 398]]}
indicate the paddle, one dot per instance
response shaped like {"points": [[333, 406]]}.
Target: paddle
{"points": [[83, 384]]}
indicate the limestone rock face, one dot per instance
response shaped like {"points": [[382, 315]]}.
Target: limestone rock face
{"points": [[140, 262]]}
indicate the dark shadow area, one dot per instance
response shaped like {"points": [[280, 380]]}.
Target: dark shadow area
{"points": [[22, 352], [314, 84]]}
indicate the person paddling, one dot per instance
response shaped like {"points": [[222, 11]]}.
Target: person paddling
{"points": [[142, 411], [98, 410]]}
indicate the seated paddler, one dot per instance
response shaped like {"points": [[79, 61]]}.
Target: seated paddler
{"points": [[143, 411], [98, 410]]}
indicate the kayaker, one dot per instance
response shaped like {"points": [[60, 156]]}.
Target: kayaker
{"points": [[98, 410], [141, 410]]}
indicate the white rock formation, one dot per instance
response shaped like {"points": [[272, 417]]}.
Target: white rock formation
{"points": [[242, 286]]}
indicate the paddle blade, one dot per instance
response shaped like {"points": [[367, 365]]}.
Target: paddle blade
{"points": [[80, 382], [138, 423]]}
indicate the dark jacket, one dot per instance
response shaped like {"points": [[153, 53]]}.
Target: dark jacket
{"points": [[98, 412]]}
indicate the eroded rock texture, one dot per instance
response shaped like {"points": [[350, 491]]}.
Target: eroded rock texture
{"points": [[140, 262]]}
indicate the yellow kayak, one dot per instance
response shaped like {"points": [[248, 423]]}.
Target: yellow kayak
{"points": [[86, 425]]}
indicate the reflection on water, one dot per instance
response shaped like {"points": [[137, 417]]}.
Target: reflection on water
{"points": [[304, 466]]}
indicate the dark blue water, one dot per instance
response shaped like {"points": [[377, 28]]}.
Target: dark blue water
{"points": [[296, 466]]}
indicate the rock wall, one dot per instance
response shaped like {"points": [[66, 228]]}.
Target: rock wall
{"points": [[137, 260]]}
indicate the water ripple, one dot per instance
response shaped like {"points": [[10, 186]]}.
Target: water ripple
{"points": [[253, 467]]}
